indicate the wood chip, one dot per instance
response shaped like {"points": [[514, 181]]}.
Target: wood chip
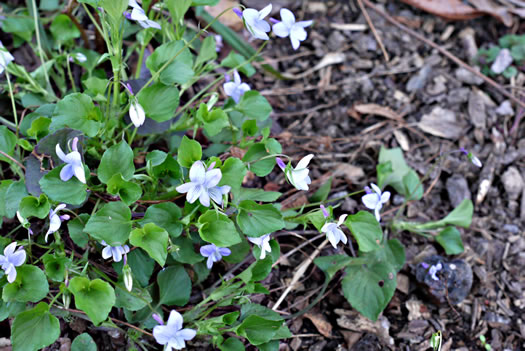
{"points": [[374, 109], [349, 26], [402, 140], [321, 323]]}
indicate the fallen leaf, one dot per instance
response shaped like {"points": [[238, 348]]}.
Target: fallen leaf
{"points": [[321, 323], [229, 18], [442, 123], [374, 109], [459, 10], [352, 174]]}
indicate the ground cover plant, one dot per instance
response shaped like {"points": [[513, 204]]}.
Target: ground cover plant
{"points": [[123, 193]]}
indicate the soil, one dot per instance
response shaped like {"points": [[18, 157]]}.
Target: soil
{"points": [[434, 106]]}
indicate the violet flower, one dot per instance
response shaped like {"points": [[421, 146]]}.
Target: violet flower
{"points": [[214, 253], [297, 176], [116, 251], [263, 242], [73, 160], [288, 27], [203, 185], [171, 335], [5, 58], [375, 200], [334, 234], [55, 221], [434, 269], [11, 259], [473, 159], [138, 15], [237, 88], [255, 23]]}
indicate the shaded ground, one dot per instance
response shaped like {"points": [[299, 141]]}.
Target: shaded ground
{"points": [[317, 113]]}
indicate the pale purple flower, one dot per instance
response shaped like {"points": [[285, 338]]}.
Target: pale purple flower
{"points": [[11, 259], [78, 56], [333, 233], [5, 58], [288, 27], [218, 42], [55, 221], [325, 212], [25, 223], [263, 242], [116, 251], [74, 166], [203, 185], [255, 23], [297, 176], [171, 335], [434, 269], [138, 14], [214, 253], [375, 200], [128, 277], [136, 113], [473, 159], [237, 88]]}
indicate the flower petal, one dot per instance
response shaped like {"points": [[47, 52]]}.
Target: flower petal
{"points": [[204, 198], [341, 219], [212, 178], [194, 193], [287, 17], [11, 273], [106, 252], [209, 262], [385, 197], [18, 258], [208, 250], [304, 23], [60, 153], [67, 172], [117, 254], [197, 172], [281, 30], [375, 188], [236, 77], [10, 249], [138, 14], [376, 212], [162, 334], [187, 334], [184, 188], [304, 162], [224, 251], [370, 201], [229, 88], [216, 195], [298, 33], [78, 170], [137, 114], [175, 321], [265, 11]]}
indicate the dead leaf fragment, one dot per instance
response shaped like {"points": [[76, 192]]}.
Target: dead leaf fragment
{"points": [[321, 323], [375, 109], [442, 123], [352, 174], [229, 18]]}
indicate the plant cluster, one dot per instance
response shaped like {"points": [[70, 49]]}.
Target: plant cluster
{"points": [[128, 193], [507, 58]]}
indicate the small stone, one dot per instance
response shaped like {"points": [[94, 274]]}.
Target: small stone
{"points": [[476, 109], [336, 40], [457, 189], [458, 96], [419, 80], [465, 76], [505, 109], [503, 60], [512, 182], [511, 228]]}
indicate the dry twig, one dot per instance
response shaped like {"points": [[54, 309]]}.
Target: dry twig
{"points": [[376, 35]]}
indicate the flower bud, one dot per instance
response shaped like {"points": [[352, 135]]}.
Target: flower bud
{"points": [[128, 278], [66, 299]]}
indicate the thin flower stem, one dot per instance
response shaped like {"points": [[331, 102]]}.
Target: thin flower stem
{"points": [[70, 75], [39, 43], [139, 62], [13, 105], [8, 124]]}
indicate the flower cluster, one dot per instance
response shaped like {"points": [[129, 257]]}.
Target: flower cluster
{"points": [[171, 335]]}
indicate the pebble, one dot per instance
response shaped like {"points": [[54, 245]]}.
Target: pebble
{"points": [[457, 189], [512, 182], [503, 60], [476, 109], [419, 80], [465, 76], [336, 40], [505, 109]]}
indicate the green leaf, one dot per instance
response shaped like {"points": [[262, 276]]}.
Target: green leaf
{"points": [[180, 70], [178, 9], [30, 285], [234, 59], [450, 239], [95, 297], [153, 239], [114, 8], [112, 223], [233, 172], [174, 286], [322, 193], [159, 101], [398, 168], [14, 194], [330, 265], [461, 215], [254, 105], [214, 121], [365, 229], [257, 271], [134, 301], [258, 324], [31, 206], [63, 29], [369, 288], [232, 344], [257, 220], [413, 189], [7, 143], [510, 72], [128, 192], [218, 229], [185, 252], [77, 111], [35, 329], [116, 159], [84, 342], [207, 51], [166, 215], [254, 155], [72, 192], [141, 265], [189, 152], [75, 228], [257, 195], [55, 266]]}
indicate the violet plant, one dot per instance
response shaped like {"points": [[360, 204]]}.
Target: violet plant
{"points": [[142, 214]]}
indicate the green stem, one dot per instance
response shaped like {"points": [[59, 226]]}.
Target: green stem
{"points": [[70, 75], [13, 105], [40, 50], [139, 62], [9, 124]]}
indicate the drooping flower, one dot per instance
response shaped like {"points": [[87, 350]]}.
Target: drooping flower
{"points": [[263, 242], [78, 56], [297, 176], [5, 58], [74, 166], [288, 27], [473, 159], [138, 15], [171, 335], [11, 259], [55, 221], [128, 277], [375, 200], [136, 113], [434, 269], [203, 185], [255, 23], [218, 43], [25, 223], [237, 88], [214, 253], [116, 251], [334, 234]]}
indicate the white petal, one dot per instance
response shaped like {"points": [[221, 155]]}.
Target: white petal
{"points": [[385, 197], [184, 188], [250, 15], [304, 23], [295, 43], [375, 188], [18, 258], [162, 334], [150, 24], [342, 219], [287, 16], [133, 3], [117, 254], [11, 273], [138, 14], [197, 172], [187, 334], [212, 178], [229, 88], [376, 212], [137, 114], [236, 77], [265, 11], [281, 29], [333, 239], [54, 224], [298, 33], [175, 320], [194, 193], [370, 201], [304, 162], [204, 198], [177, 343], [79, 173], [216, 195], [60, 153], [106, 252]]}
